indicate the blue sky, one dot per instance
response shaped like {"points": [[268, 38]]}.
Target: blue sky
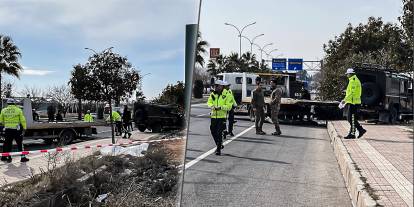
{"points": [[52, 36], [297, 28]]}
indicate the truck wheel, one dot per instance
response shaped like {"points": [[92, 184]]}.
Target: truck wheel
{"points": [[251, 115], [48, 141], [156, 128], [66, 137], [370, 93], [142, 128]]}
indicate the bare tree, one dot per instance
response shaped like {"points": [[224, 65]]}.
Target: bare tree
{"points": [[33, 91], [7, 89], [62, 96]]}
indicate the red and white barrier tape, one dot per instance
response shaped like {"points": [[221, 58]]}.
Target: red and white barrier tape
{"points": [[61, 149]]}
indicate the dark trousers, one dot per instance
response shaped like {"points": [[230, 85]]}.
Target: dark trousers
{"points": [[118, 126], [231, 120], [260, 117], [10, 135], [352, 116], [217, 127]]}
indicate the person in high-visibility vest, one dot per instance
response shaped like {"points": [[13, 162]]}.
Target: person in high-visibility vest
{"points": [[233, 103], [353, 102], [117, 119], [14, 124], [88, 117], [219, 105]]}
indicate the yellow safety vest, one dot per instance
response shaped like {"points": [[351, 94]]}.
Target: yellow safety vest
{"points": [[88, 118], [222, 101], [353, 91], [115, 116], [12, 117]]}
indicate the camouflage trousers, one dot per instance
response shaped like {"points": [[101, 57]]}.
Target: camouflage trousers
{"points": [[275, 117]]}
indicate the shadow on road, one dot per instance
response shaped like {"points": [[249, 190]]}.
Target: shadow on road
{"points": [[203, 160], [304, 138], [256, 159]]}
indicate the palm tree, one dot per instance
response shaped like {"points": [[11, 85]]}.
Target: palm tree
{"points": [[201, 50], [9, 58]]}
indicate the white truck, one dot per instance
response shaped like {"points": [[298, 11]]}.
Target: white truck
{"points": [[293, 105]]}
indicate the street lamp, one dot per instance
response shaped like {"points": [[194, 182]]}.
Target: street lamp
{"points": [[269, 53], [252, 41], [110, 101], [261, 49], [240, 31]]}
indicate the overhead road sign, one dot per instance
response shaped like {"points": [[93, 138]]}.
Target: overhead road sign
{"points": [[279, 64], [295, 64]]}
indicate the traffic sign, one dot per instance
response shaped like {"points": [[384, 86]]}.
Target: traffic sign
{"points": [[295, 64], [279, 64], [214, 52]]}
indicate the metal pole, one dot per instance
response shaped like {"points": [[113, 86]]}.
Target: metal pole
{"points": [[240, 32]]}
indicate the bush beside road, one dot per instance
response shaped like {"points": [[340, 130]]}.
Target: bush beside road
{"points": [[378, 168]]}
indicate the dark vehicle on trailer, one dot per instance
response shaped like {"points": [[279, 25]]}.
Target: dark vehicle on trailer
{"points": [[157, 118], [387, 96]]}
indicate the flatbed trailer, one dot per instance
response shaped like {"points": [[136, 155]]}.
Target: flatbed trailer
{"points": [[63, 132]]}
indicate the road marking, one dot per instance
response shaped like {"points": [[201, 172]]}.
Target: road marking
{"points": [[201, 157], [201, 104], [200, 115], [401, 185]]}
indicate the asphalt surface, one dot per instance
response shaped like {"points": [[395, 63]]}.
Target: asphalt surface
{"points": [[296, 169]]}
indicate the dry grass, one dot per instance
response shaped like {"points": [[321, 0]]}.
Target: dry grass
{"points": [[130, 181]]}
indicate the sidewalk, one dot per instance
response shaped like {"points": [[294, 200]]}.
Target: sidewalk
{"points": [[16, 171], [384, 157]]}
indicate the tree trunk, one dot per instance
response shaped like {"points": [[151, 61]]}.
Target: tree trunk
{"points": [[117, 102], [79, 109]]}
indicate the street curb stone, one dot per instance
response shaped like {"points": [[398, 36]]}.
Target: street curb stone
{"points": [[353, 182]]}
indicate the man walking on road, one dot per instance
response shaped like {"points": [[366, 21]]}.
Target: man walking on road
{"points": [[353, 102], [276, 98], [14, 123], [220, 105], [230, 117], [258, 105]]}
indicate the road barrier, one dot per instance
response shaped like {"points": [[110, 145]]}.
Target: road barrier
{"points": [[74, 148]]}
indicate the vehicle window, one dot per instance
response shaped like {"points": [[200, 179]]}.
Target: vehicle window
{"points": [[249, 81], [239, 80], [219, 77]]}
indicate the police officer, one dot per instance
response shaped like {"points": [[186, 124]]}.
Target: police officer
{"points": [[230, 118], [14, 123], [220, 105], [258, 104], [275, 98], [353, 102], [88, 117], [117, 119], [126, 119]]}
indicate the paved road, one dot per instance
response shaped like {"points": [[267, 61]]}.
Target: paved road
{"points": [[296, 169]]}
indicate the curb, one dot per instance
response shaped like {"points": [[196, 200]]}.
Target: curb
{"points": [[352, 178]]}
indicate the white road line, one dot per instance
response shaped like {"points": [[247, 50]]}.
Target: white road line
{"points": [[200, 115], [200, 104], [397, 180], [201, 157]]}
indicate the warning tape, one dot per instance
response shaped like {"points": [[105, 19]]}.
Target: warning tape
{"points": [[74, 148]]}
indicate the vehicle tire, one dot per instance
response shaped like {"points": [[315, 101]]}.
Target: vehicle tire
{"points": [[251, 115], [370, 93], [48, 141], [142, 128], [66, 137], [156, 128], [393, 114]]}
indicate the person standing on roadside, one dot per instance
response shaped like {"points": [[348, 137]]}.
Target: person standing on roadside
{"points": [[126, 121], [14, 123], [258, 105], [230, 117], [88, 117], [275, 98], [353, 102], [219, 105]]}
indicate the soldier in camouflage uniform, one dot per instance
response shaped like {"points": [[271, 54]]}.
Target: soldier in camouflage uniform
{"points": [[276, 97]]}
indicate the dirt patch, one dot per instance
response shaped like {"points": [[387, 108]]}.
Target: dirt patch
{"points": [[150, 180], [174, 148]]}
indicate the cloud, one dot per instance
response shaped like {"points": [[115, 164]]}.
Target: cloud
{"points": [[36, 72]]}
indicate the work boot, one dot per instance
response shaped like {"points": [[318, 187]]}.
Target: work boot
{"points": [[276, 133], [218, 151], [24, 159], [129, 135], [350, 136], [4, 159], [231, 134], [261, 133], [9, 159], [361, 133]]}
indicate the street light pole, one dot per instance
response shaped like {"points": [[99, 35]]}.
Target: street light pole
{"points": [[110, 100], [240, 31], [261, 49], [252, 41], [269, 53]]}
